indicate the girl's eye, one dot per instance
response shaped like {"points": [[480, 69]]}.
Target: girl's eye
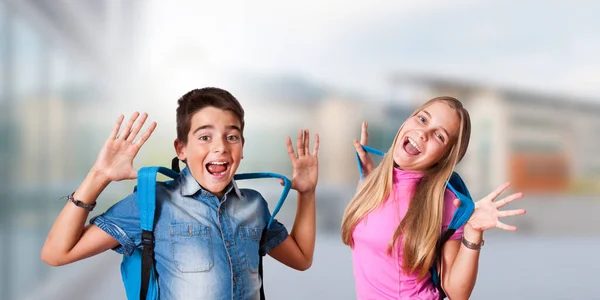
{"points": [[440, 137], [421, 119]]}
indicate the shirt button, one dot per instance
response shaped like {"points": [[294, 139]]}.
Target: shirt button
{"points": [[227, 243], [234, 279]]}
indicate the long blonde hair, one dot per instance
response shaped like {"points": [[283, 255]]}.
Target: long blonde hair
{"points": [[421, 226]]}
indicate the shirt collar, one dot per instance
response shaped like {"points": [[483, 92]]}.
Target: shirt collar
{"points": [[189, 186]]}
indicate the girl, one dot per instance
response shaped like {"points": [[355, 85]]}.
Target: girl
{"points": [[396, 218]]}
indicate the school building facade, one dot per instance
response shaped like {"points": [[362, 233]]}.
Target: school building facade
{"points": [[542, 143]]}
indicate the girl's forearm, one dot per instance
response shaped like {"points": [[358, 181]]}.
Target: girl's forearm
{"points": [[463, 273]]}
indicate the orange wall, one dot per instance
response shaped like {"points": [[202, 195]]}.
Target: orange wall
{"points": [[539, 172]]}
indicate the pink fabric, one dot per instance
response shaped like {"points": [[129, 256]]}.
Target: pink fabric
{"points": [[379, 275]]}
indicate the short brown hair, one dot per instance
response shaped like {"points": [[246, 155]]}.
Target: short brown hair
{"points": [[198, 99]]}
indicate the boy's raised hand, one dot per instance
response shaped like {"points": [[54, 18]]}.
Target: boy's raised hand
{"points": [[115, 160], [305, 163], [366, 160]]}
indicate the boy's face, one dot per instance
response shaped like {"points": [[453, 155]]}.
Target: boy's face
{"points": [[214, 148]]}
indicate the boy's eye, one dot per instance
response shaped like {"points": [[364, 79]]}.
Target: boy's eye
{"points": [[233, 137], [204, 138]]}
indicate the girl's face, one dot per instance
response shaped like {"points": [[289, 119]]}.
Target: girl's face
{"points": [[426, 137]]}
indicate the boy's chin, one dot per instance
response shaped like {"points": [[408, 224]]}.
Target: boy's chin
{"points": [[216, 189]]}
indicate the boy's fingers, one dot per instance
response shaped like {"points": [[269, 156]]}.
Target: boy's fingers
{"points": [[306, 142], [290, 148], [137, 127], [300, 143], [115, 131], [146, 134], [364, 133], [316, 146], [127, 130]]}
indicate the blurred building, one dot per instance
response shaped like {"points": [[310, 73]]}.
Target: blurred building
{"points": [[542, 143], [59, 61]]}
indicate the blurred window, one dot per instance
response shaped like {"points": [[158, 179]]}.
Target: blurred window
{"points": [[3, 45], [27, 49]]}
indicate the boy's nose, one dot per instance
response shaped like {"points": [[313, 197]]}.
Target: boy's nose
{"points": [[219, 147]]}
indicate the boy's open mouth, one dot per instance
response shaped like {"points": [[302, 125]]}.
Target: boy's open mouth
{"points": [[217, 168], [411, 147]]}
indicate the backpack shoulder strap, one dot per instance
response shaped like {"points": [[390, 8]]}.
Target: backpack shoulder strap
{"points": [[455, 184], [466, 207], [146, 198], [460, 217], [368, 150], [286, 188]]}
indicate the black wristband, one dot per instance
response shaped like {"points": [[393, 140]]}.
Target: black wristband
{"points": [[88, 207]]}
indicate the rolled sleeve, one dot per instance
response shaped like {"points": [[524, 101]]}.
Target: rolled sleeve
{"points": [[121, 221], [273, 237]]}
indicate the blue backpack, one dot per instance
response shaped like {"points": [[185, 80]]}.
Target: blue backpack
{"points": [[460, 217], [137, 271]]}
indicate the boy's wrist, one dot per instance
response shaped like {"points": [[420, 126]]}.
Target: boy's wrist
{"points": [[307, 194], [97, 177]]}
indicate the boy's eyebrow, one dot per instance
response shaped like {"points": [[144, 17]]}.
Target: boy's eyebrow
{"points": [[228, 127], [234, 127], [429, 115], [203, 127]]}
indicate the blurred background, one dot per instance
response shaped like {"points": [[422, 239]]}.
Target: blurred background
{"points": [[528, 71]]}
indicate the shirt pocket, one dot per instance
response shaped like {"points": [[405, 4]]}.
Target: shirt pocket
{"points": [[251, 238], [191, 244]]}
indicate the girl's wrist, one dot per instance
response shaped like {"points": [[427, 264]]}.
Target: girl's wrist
{"points": [[472, 235]]}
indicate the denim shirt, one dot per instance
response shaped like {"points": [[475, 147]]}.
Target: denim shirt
{"points": [[205, 247]]}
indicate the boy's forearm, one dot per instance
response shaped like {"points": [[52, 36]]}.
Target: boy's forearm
{"points": [[304, 228], [69, 224], [463, 273]]}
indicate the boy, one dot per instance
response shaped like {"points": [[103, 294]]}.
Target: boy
{"points": [[207, 231]]}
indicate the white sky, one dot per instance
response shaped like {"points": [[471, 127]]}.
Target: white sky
{"points": [[354, 45]]}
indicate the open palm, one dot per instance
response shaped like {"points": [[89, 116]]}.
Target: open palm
{"points": [[115, 160], [304, 163], [487, 214]]}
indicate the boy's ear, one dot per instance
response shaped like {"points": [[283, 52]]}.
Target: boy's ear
{"points": [[179, 149]]}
